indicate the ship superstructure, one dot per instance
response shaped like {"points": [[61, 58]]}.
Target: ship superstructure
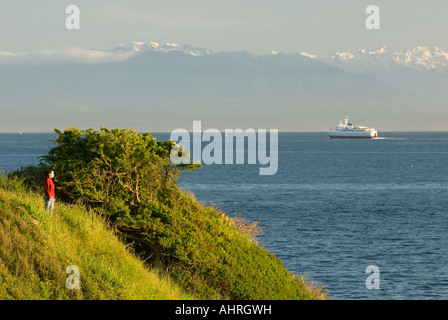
{"points": [[345, 130]]}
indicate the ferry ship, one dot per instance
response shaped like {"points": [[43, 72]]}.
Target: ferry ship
{"points": [[348, 130]]}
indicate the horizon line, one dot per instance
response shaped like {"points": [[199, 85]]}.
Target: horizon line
{"points": [[267, 130]]}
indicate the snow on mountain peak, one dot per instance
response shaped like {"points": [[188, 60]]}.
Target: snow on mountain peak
{"points": [[173, 45], [423, 58], [308, 55], [379, 51], [136, 46], [140, 46], [342, 56], [420, 58]]}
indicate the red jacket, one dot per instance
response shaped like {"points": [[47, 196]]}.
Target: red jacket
{"points": [[49, 188]]}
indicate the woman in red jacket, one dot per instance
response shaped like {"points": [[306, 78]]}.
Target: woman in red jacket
{"points": [[49, 192]]}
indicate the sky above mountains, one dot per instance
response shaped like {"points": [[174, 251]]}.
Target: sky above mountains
{"points": [[257, 26]]}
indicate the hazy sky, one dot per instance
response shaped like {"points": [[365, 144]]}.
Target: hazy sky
{"points": [[258, 26], [31, 29]]}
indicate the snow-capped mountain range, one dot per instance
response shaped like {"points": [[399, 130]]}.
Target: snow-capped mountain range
{"points": [[141, 46], [418, 58], [367, 61]]}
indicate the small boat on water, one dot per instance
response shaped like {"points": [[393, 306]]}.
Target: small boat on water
{"points": [[347, 130]]}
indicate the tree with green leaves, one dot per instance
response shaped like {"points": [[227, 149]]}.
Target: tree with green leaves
{"points": [[116, 170]]}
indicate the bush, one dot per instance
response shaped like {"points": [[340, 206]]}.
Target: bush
{"points": [[32, 177], [115, 170]]}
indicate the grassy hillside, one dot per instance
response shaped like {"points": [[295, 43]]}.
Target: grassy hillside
{"points": [[212, 254], [207, 254], [196, 252], [37, 247]]}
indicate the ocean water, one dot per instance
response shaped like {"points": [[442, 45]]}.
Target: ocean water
{"points": [[333, 208]]}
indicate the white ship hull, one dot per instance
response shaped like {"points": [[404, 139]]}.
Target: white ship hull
{"points": [[349, 131], [351, 135]]}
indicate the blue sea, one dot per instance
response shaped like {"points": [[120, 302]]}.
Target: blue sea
{"points": [[333, 208]]}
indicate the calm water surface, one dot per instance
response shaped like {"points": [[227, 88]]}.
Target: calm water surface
{"points": [[333, 208]]}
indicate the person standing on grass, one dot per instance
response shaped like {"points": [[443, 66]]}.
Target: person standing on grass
{"points": [[49, 191]]}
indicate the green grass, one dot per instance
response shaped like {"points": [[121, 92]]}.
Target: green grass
{"points": [[36, 247], [202, 253]]}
